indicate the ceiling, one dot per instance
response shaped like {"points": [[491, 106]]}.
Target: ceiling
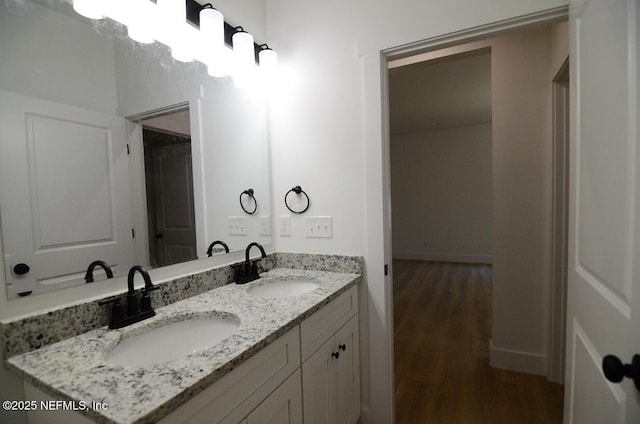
{"points": [[447, 92]]}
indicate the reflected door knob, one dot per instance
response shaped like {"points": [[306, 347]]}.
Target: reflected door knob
{"points": [[159, 236], [615, 371], [20, 269]]}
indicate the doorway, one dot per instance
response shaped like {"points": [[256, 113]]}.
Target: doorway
{"points": [[169, 188], [522, 233]]}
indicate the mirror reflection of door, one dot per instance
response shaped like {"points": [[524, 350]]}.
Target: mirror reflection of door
{"points": [[64, 193], [169, 187]]}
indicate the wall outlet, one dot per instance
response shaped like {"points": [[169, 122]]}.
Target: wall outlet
{"points": [[237, 226], [265, 225], [319, 227], [284, 225]]}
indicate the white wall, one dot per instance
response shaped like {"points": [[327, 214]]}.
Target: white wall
{"points": [[522, 156], [327, 129], [441, 193]]}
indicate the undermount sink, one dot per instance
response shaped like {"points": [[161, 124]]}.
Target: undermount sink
{"points": [[173, 340], [282, 288]]}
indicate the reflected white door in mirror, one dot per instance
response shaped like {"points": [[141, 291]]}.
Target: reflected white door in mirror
{"points": [[64, 189]]}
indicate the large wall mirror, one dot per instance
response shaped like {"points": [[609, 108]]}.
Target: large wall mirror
{"points": [[111, 150]]}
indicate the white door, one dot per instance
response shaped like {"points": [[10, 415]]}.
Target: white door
{"points": [[64, 193], [604, 220], [175, 217]]}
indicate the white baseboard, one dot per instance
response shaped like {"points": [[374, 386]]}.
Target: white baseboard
{"points": [[531, 363], [444, 257]]}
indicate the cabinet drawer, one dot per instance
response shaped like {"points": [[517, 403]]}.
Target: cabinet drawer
{"points": [[284, 406], [319, 327], [239, 392]]}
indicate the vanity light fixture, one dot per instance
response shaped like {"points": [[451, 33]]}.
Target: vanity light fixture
{"points": [[192, 32]]}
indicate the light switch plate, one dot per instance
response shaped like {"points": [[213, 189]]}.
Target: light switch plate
{"points": [[319, 227], [265, 225], [284, 225], [237, 226]]}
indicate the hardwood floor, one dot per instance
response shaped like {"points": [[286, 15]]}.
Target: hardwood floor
{"points": [[442, 314]]}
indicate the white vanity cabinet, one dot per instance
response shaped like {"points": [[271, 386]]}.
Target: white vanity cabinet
{"points": [[328, 383], [311, 374], [265, 388], [331, 372]]}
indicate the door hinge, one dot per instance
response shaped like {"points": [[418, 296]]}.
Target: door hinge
{"points": [[386, 269], [128, 150], [133, 233]]}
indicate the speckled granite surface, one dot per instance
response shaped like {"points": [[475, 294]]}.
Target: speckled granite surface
{"points": [[39, 330], [316, 262], [75, 369]]}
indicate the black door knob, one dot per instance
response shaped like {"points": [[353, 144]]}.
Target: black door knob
{"points": [[159, 236], [20, 269], [615, 371]]}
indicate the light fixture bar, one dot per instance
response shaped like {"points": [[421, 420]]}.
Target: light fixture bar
{"points": [[165, 22], [193, 16]]}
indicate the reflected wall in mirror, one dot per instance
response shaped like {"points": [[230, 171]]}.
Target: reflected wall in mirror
{"points": [[83, 109]]}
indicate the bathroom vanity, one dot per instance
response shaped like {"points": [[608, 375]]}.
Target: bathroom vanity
{"points": [[294, 344]]}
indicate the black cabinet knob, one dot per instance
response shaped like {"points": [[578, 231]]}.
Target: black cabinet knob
{"points": [[342, 347], [615, 371], [335, 354], [20, 269]]}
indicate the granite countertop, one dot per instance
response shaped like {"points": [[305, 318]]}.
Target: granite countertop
{"points": [[75, 369]]}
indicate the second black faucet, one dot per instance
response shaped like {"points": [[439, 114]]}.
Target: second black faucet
{"points": [[248, 270]]}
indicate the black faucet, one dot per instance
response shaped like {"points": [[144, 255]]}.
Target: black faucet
{"points": [[221, 243], [136, 310], [89, 275], [248, 270]]}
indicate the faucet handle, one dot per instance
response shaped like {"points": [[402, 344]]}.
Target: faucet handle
{"points": [[117, 310], [109, 300]]}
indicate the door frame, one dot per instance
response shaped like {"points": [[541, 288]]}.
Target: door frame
{"points": [[138, 185], [560, 226], [379, 267]]}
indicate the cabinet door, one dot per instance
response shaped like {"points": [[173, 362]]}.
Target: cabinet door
{"points": [[331, 379], [318, 385], [283, 406], [348, 373]]}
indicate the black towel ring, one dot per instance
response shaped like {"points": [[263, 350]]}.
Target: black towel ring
{"points": [[297, 190], [249, 192]]}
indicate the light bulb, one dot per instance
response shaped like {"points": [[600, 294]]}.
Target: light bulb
{"points": [[212, 27], [243, 48], [268, 59]]}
